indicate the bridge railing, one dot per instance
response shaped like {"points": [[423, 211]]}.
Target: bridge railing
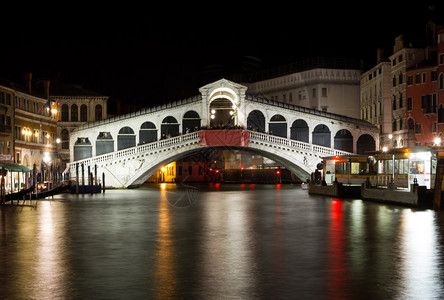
{"points": [[257, 136], [194, 136], [177, 140]]}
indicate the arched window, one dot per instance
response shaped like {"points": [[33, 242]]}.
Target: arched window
{"points": [[256, 121], [343, 140], [65, 139], [104, 143], [278, 126], [126, 138], [83, 113], [190, 122], [74, 113], [169, 127], [82, 149], [299, 131], [147, 133], [65, 113], [98, 112], [321, 135]]}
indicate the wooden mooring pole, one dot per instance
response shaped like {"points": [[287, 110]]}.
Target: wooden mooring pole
{"points": [[438, 184]]}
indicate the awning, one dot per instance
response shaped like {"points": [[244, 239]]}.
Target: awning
{"points": [[15, 168]]}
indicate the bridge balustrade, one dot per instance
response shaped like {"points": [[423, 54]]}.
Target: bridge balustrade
{"points": [[255, 137]]}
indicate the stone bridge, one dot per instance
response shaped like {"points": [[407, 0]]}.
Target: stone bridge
{"points": [[130, 148]]}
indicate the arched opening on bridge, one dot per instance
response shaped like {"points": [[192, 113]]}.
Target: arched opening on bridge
{"points": [[222, 113], [365, 143], [321, 136], [256, 121], [169, 127], [147, 133], [190, 122], [343, 140], [299, 131], [278, 126], [104, 143], [82, 149], [126, 138]]}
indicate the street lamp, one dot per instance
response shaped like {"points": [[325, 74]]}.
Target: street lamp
{"points": [[437, 141]]}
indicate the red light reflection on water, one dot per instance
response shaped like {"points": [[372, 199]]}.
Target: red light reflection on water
{"points": [[337, 276]]}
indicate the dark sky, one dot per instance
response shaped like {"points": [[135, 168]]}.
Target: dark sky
{"points": [[153, 55]]}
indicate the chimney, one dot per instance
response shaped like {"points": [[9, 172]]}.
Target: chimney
{"points": [[380, 55], [46, 88], [28, 79]]}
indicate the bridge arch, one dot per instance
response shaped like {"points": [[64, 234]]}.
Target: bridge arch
{"points": [[82, 148], [299, 131], [256, 121], [343, 140], [126, 138], [104, 143], [190, 121], [365, 143], [298, 168], [169, 127], [321, 135], [278, 125], [147, 133]]}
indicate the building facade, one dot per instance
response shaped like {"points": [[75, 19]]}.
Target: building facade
{"points": [[329, 85], [425, 98], [77, 106], [404, 57], [375, 100], [6, 122], [35, 129]]}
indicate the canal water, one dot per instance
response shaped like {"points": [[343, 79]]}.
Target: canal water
{"points": [[237, 241]]}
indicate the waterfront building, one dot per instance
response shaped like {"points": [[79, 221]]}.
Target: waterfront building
{"points": [[425, 98], [77, 106], [326, 84], [6, 121], [375, 99], [405, 56], [35, 127]]}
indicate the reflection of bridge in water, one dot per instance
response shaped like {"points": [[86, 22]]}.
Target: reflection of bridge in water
{"points": [[129, 149]]}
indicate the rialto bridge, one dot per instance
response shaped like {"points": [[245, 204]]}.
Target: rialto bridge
{"points": [[128, 149]]}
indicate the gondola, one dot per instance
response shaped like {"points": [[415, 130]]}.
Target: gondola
{"points": [[52, 192], [19, 195]]}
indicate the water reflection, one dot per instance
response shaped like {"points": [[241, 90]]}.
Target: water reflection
{"points": [[227, 249], [239, 241], [420, 258], [338, 277], [165, 280], [50, 271]]}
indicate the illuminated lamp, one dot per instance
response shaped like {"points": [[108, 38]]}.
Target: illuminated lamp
{"points": [[278, 172]]}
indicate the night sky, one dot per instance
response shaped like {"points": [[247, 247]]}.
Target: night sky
{"points": [[148, 56]]}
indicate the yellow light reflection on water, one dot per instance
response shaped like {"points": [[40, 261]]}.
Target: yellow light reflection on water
{"points": [[165, 276], [227, 258], [50, 279]]}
